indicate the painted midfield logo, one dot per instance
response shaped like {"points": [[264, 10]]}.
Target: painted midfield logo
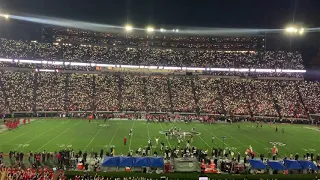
{"points": [[182, 132], [278, 143]]}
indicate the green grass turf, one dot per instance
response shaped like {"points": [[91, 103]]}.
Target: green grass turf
{"points": [[54, 134]]}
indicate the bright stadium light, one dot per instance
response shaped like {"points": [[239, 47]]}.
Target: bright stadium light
{"points": [[177, 30], [291, 30], [301, 31], [128, 28], [5, 16], [150, 29], [162, 30]]}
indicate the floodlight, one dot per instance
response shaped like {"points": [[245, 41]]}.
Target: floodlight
{"points": [[150, 29], [291, 30], [5, 16], [128, 28], [301, 31], [177, 30], [162, 30]]}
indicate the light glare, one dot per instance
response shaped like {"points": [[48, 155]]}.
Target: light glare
{"points": [[128, 28], [5, 16], [150, 29]]}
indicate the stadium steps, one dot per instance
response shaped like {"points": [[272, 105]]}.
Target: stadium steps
{"points": [[301, 100], [220, 97], [35, 89], [146, 100], [247, 99], [66, 92], [120, 87], [2, 88], [170, 93], [275, 101], [196, 99], [94, 93]]}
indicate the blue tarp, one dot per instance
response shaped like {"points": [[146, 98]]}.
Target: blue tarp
{"points": [[125, 161], [275, 165], [141, 162], [110, 161], [257, 164], [308, 165], [156, 162], [292, 164]]}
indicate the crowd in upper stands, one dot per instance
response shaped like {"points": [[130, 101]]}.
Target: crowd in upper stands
{"points": [[30, 91], [164, 56]]}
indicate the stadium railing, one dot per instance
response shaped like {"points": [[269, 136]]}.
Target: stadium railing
{"points": [[193, 176]]}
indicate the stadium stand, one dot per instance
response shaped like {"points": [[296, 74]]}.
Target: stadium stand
{"points": [[72, 91], [85, 89]]}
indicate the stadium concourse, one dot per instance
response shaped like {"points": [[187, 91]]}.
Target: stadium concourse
{"points": [[193, 104]]}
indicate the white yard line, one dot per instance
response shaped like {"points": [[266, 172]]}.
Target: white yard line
{"points": [[149, 136], [74, 138], [57, 136], [16, 137], [205, 142], [165, 137], [93, 138], [20, 135], [215, 136], [39, 136], [131, 135], [246, 146], [114, 135]]}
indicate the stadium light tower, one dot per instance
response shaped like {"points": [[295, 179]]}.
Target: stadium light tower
{"points": [[150, 29], [294, 31], [5, 16], [162, 30], [128, 28]]}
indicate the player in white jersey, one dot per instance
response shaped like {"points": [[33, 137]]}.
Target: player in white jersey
{"points": [[157, 141]]}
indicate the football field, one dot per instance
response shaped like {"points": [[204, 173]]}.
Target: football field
{"points": [[56, 134]]}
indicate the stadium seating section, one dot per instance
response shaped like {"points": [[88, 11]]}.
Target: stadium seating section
{"points": [[32, 91]]}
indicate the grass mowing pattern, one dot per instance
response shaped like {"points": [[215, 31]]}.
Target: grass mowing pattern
{"points": [[55, 134]]}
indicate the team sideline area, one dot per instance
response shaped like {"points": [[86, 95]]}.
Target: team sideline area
{"points": [[55, 134]]}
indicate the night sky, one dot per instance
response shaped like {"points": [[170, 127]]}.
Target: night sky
{"points": [[171, 14], [163, 13], [203, 13]]}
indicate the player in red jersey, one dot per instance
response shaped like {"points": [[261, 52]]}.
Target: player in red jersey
{"points": [[125, 141]]}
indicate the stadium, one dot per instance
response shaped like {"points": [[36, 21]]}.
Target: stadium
{"points": [[86, 104]]}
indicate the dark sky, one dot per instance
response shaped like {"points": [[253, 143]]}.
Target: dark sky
{"points": [[209, 13], [167, 13], [170, 14]]}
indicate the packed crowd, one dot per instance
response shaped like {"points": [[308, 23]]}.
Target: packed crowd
{"points": [[146, 56], [207, 92], [133, 93], [107, 93], [310, 96], [260, 98], [50, 92], [182, 92], [10, 173], [142, 40], [157, 94], [28, 91]]}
